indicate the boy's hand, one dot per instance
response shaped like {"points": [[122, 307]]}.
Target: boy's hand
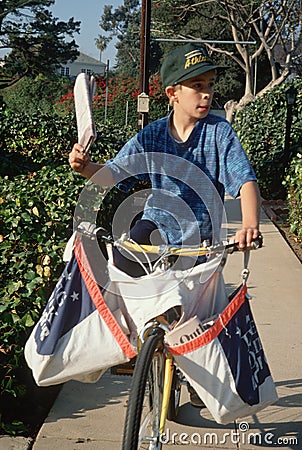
{"points": [[77, 159], [245, 236]]}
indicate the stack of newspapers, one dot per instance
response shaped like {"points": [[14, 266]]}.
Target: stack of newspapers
{"points": [[182, 333]]}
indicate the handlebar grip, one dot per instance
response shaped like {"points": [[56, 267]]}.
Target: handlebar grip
{"points": [[255, 244]]}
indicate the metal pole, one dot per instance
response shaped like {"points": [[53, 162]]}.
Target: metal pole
{"points": [[145, 54], [126, 115], [203, 41], [106, 92], [290, 95], [255, 76], [288, 123]]}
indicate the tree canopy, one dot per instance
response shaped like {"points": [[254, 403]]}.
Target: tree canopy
{"points": [[274, 27], [124, 23], [33, 40]]}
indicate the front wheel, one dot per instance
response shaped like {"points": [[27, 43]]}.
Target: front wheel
{"points": [[142, 424]]}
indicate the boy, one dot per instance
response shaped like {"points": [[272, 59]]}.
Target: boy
{"points": [[190, 132], [190, 157]]}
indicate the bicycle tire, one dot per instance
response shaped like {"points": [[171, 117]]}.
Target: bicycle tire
{"points": [[141, 430], [174, 396]]}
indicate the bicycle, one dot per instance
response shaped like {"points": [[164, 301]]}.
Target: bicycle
{"points": [[156, 381]]}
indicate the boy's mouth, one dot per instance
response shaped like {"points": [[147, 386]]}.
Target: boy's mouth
{"points": [[204, 107]]}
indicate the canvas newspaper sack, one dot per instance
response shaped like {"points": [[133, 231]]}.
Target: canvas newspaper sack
{"points": [[199, 290], [82, 331], [223, 359]]}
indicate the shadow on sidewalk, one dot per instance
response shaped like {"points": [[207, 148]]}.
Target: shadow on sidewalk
{"points": [[278, 425], [77, 398]]}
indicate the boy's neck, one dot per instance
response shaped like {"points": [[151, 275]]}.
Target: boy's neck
{"points": [[180, 128]]}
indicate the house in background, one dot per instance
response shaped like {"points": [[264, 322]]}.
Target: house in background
{"points": [[83, 64]]}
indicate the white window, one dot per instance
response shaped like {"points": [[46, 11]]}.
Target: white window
{"points": [[64, 71], [88, 71]]}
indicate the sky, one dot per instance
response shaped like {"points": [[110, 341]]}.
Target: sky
{"points": [[89, 13]]}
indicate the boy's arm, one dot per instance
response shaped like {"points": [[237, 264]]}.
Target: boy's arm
{"points": [[250, 208], [81, 163]]}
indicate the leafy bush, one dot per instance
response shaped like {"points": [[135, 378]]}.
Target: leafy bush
{"points": [[30, 142], [35, 214], [261, 129], [37, 203], [31, 95], [293, 182]]}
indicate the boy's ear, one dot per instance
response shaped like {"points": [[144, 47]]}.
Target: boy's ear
{"points": [[171, 93]]}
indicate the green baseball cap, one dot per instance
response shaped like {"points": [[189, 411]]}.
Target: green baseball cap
{"points": [[186, 62]]}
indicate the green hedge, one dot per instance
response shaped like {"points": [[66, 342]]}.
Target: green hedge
{"points": [[293, 183], [31, 142], [261, 129], [40, 94], [38, 195]]}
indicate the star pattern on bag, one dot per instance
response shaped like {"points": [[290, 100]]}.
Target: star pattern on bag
{"points": [[238, 331], [75, 296], [63, 279]]}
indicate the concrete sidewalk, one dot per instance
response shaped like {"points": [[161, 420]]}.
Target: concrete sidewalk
{"points": [[91, 417]]}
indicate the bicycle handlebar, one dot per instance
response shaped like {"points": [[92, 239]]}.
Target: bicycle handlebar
{"points": [[168, 250], [186, 251]]}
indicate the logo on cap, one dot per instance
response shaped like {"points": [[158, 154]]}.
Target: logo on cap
{"points": [[195, 57]]}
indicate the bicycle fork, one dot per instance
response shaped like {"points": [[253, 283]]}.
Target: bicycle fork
{"points": [[168, 377]]}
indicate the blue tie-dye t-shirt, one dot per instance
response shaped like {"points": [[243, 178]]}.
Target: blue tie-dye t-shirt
{"points": [[189, 179]]}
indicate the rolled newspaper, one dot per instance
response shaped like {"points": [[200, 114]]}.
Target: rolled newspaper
{"points": [[84, 90]]}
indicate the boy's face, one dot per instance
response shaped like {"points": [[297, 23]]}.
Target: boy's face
{"points": [[194, 96]]}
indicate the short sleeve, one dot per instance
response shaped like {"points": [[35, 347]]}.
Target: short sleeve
{"points": [[128, 167]]}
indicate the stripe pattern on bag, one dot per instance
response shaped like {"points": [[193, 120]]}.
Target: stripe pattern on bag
{"points": [[78, 336], [226, 364], [99, 302]]}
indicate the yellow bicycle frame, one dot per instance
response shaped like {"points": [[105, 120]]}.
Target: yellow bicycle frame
{"points": [[168, 378]]}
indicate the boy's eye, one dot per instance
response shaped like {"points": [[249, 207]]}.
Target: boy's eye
{"points": [[199, 86]]}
